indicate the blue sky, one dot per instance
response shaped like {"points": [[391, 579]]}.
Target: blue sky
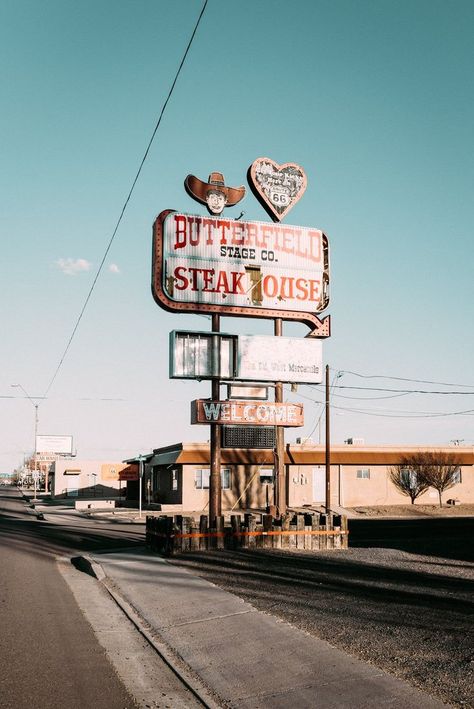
{"points": [[373, 99]]}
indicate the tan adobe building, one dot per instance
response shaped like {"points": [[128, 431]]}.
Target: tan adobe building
{"points": [[179, 475], [85, 478]]}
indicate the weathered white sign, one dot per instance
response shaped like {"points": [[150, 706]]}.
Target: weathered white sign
{"points": [[285, 359], [254, 269]]}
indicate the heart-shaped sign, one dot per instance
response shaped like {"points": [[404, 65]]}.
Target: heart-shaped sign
{"points": [[278, 187]]}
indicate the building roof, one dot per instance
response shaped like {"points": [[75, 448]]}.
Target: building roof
{"points": [[302, 454]]}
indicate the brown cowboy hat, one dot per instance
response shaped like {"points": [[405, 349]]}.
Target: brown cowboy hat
{"points": [[199, 189]]}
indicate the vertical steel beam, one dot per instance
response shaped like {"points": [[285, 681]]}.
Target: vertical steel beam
{"points": [[281, 501], [215, 493], [328, 445]]}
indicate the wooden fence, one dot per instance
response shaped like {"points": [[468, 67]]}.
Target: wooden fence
{"points": [[308, 531]]}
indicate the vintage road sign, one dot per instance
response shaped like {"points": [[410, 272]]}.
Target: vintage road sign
{"points": [[245, 269], [277, 187], [249, 413]]}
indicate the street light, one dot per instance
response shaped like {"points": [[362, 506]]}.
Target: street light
{"points": [[19, 386]]}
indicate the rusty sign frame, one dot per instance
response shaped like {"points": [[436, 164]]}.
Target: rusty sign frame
{"points": [[318, 327]]}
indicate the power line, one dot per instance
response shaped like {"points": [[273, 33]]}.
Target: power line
{"points": [[389, 414], [361, 398], [469, 412], [407, 391], [125, 205], [405, 379]]}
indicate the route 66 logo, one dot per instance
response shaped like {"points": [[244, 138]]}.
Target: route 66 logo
{"points": [[278, 187]]}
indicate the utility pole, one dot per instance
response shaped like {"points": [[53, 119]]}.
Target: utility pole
{"points": [[328, 445]]}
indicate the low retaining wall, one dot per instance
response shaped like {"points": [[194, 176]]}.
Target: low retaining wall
{"points": [[309, 531]]}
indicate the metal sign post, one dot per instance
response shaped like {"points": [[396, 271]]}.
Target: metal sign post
{"points": [[215, 497], [279, 451], [35, 481], [328, 445], [140, 482]]}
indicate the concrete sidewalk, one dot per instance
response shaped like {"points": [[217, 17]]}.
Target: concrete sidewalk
{"points": [[249, 659]]}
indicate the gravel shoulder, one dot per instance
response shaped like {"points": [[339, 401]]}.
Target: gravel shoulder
{"points": [[408, 613], [416, 510]]}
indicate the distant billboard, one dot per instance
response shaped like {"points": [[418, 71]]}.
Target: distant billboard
{"points": [[60, 445]]}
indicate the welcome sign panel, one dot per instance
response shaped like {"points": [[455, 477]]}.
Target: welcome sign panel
{"points": [[236, 264]]}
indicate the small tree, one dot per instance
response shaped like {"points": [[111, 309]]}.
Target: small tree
{"points": [[442, 471], [409, 477]]}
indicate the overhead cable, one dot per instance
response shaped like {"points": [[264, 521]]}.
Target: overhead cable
{"points": [[127, 200], [405, 379]]}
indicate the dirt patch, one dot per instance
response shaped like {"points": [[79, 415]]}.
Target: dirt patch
{"points": [[415, 510]]}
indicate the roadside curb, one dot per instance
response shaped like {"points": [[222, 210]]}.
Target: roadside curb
{"points": [[195, 685]]}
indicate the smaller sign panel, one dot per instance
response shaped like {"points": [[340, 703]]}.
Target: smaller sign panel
{"points": [[284, 359], [201, 355], [247, 391], [246, 413]]}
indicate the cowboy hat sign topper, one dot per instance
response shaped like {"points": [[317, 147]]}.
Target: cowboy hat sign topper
{"points": [[214, 192], [277, 187]]}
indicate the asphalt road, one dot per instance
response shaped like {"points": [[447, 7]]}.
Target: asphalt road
{"points": [[49, 656], [64, 642]]}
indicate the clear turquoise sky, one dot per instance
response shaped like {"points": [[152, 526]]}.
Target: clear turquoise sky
{"points": [[373, 99]]}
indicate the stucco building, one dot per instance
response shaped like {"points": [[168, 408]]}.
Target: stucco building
{"points": [[179, 475], [86, 478]]}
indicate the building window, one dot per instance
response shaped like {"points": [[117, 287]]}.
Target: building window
{"points": [[225, 476], [457, 477], [408, 477], [174, 479], [363, 473], [266, 476], [201, 479]]}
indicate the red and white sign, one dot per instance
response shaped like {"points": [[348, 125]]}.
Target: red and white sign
{"points": [[250, 413], [255, 269]]}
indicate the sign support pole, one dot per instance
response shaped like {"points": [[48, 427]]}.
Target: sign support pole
{"points": [[279, 452], [140, 482], [215, 497], [328, 445]]}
